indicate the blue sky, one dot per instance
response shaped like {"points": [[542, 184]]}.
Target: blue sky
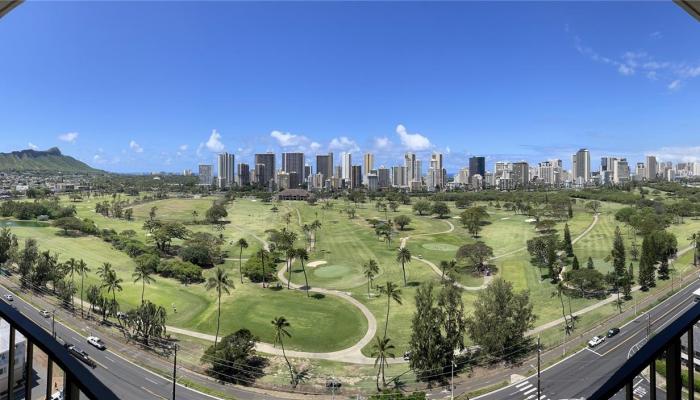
{"points": [[165, 85]]}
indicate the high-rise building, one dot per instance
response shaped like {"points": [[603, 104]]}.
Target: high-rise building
{"points": [[368, 163], [372, 182], [418, 171], [383, 177], [347, 166], [477, 166], [243, 174], [324, 165], [399, 176], [293, 164], [265, 168], [356, 177], [520, 174], [550, 172], [621, 170], [307, 173], [652, 168], [409, 160], [435, 179], [641, 171], [581, 166], [187, 172], [205, 174], [225, 166]]}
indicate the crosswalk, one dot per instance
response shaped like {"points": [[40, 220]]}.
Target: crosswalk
{"points": [[529, 391]]}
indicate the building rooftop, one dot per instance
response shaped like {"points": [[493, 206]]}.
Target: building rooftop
{"points": [[5, 336]]}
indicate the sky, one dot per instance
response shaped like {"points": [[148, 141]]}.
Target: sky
{"points": [[164, 86]]}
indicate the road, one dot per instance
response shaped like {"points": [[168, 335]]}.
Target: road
{"points": [[126, 379], [577, 376]]}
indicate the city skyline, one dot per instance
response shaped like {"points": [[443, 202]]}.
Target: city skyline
{"points": [[586, 79]]}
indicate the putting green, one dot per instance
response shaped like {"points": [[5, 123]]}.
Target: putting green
{"points": [[332, 271], [440, 246]]}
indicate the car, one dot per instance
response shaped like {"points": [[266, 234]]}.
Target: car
{"points": [[613, 331], [96, 342], [80, 354], [57, 395], [8, 297], [407, 356], [44, 313], [596, 341]]}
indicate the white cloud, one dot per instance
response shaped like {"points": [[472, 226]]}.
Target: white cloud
{"points": [[32, 146], [183, 147], [412, 141], [214, 143], [314, 146], [98, 159], [625, 69], [682, 154], [448, 150], [382, 143], [343, 143], [68, 137], [135, 147], [656, 35], [675, 85], [298, 142]]}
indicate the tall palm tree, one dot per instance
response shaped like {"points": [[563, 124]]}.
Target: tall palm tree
{"points": [[371, 269], [290, 253], [559, 292], [69, 267], [403, 256], [242, 244], [113, 284], [142, 273], [695, 241], [82, 270], [447, 267], [392, 292], [263, 254], [382, 351], [281, 326], [221, 282], [104, 270], [316, 225]]}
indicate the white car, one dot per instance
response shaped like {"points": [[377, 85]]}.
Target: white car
{"points": [[58, 395], [8, 297], [596, 340], [45, 313], [96, 342]]}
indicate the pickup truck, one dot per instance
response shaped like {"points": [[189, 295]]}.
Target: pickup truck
{"points": [[80, 355]]}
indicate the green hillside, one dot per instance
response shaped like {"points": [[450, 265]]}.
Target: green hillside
{"points": [[49, 160]]}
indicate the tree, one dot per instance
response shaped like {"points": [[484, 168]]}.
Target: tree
{"points": [[82, 270], [422, 207], [402, 221], [113, 284], [152, 213], [472, 219], [242, 244], [559, 292], [403, 256], [215, 213], [570, 211], [263, 255], [6, 240], [426, 337], [574, 264], [165, 232], [70, 268], [234, 360], [129, 214], [146, 321], [568, 246], [303, 255], [475, 254], [500, 319], [447, 267], [146, 264], [382, 351], [221, 283], [618, 254], [594, 206], [195, 214], [392, 292], [440, 208], [370, 269], [68, 224], [281, 326], [27, 260], [587, 281], [589, 263]]}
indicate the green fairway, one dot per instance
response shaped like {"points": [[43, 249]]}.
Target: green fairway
{"points": [[440, 247]]}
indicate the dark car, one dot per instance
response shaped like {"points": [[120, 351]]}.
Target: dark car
{"points": [[80, 355], [613, 331]]}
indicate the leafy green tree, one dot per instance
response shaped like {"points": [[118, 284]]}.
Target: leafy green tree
{"points": [[440, 208], [588, 281], [146, 321], [422, 207], [589, 263], [473, 218], [568, 246], [575, 264], [500, 319], [222, 284], [447, 267], [215, 213], [476, 255], [403, 256], [402, 221], [427, 347], [618, 254], [113, 284], [392, 292], [594, 206], [382, 351], [370, 269], [233, 360], [560, 293], [27, 260]]}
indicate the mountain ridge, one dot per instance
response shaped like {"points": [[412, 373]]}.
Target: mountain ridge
{"points": [[30, 160]]}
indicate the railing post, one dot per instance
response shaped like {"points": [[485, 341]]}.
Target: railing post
{"points": [[28, 370], [691, 364], [70, 390], [49, 376], [629, 390], [11, 364], [673, 370], [652, 379]]}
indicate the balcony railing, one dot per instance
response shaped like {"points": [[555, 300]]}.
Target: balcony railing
{"points": [[79, 382], [666, 344]]}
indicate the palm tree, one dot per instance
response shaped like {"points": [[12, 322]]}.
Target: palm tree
{"points": [[403, 256], [142, 273], [371, 269], [447, 267], [382, 351], [242, 244], [316, 225], [221, 282], [104, 270], [392, 292], [303, 255], [263, 254], [559, 292], [289, 253], [695, 241], [113, 284], [82, 270], [281, 325], [70, 267], [194, 215]]}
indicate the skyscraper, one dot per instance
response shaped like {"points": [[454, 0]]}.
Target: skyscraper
{"points": [[324, 165], [383, 177], [652, 168], [205, 176], [368, 163], [265, 168], [435, 179], [293, 164], [520, 174], [243, 174], [347, 166], [409, 160], [477, 166], [399, 176], [581, 168], [225, 166], [356, 177]]}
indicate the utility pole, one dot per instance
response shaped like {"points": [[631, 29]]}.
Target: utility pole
{"points": [[53, 324], [648, 326], [174, 371], [452, 381], [538, 369]]}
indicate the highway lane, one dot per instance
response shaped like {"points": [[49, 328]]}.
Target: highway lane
{"points": [[127, 380], [579, 375]]}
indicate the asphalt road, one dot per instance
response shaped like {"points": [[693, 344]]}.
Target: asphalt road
{"points": [[577, 376], [126, 379]]}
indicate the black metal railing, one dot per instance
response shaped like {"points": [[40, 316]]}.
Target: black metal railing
{"points": [[77, 378], [666, 344]]}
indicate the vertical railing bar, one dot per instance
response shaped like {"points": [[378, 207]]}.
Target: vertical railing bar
{"points": [[673, 370], [11, 364], [691, 364], [652, 379], [49, 377], [629, 390], [28, 370]]}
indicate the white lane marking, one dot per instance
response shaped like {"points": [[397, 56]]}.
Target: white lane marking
{"points": [[522, 384], [530, 391], [107, 357], [589, 349]]}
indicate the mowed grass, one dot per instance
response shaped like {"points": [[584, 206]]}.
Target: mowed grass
{"points": [[175, 209]]}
